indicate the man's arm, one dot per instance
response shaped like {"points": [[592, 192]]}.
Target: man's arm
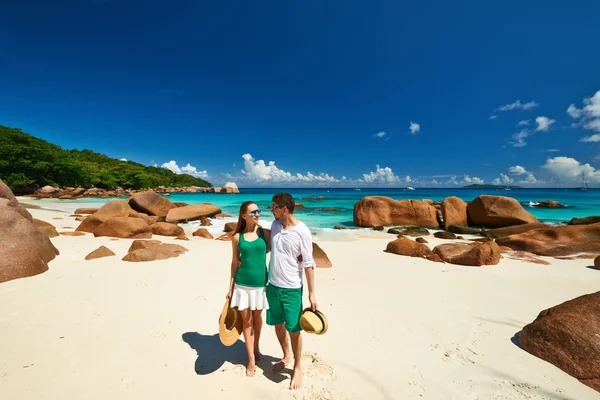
{"points": [[310, 281]]}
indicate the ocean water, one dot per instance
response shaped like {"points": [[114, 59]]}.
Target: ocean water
{"points": [[337, 206]]}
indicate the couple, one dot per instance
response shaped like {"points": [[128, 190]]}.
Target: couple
{"points": [[290, 243]]}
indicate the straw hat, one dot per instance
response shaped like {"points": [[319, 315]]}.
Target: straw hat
{"points": [[230, 325], [313, 321]]}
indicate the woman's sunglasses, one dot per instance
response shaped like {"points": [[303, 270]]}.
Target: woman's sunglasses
{"points": [[255, 212]]}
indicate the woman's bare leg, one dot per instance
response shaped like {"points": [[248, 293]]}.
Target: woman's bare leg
{"points": [[248, 331], [257, 323]]}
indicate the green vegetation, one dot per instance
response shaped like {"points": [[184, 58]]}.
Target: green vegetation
{"points": [[488, 186], [25, 159]]}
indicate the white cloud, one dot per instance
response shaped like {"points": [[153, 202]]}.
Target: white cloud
{"points": [[434, 182], [493, 117], [188, 169], [381, 175], [574, 111], [552, 150], [589, 115], [503, 180], [569, 170], [257, 171], [517, 170], [380, 135], [123, 159], [474, 180], [519, 138], [524, 122], [543, 123], [517, 105], [593, 139], [414, 128]]}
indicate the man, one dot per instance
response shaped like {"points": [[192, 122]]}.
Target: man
{"points": [[291, 252]]}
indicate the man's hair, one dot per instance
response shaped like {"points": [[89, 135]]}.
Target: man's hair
{"points": [[285, 199]]}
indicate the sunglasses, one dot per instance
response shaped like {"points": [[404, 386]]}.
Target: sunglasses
{"points": [[255, 212], [277, 207]]}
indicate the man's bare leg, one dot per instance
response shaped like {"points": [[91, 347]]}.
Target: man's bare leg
{"points": [[247, 329], [282, 336], [297, 349], [257, 323]]}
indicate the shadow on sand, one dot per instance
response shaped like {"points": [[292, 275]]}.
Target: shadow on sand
{"points": [[212, 354]]}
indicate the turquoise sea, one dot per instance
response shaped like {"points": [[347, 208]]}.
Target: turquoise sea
{"points": [[315, 215]]}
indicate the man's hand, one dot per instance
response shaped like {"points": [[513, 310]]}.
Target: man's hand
{"points": [[313, 301]]}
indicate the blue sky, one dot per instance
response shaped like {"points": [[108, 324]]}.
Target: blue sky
{"points": [[383, 93]]}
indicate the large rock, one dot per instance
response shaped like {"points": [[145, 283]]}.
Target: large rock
{"points": [[166, 229], [556, 241], [124, 227], [230, 227], [406, 247], [585, 221], [46, 228], [454, 212], [566, 336], [143, 244], [114, 208], [472, 254], [100, 252], [151, 203], [497, 212], [192, 213], [373, 211], [229, 187], [415, 231], [597, 262], [203, 233], [24, 250], [320, 257], [152, 254], [86, 210], [512, 230], [6, 193]]}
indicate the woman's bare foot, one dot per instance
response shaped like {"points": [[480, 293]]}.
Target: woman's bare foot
{"points": [[296, 382], [281, 364], [251, 368]]}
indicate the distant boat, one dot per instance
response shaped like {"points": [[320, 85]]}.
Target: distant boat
{"points": [[409, 188], [506, 188], [357, 189], [533, 204], [584, 187]]}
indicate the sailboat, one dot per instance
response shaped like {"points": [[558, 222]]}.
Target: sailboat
{"points": [[585, 186]]}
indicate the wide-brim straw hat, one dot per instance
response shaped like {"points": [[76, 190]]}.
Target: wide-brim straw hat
{"points": [[313, 321], [230, 325]]}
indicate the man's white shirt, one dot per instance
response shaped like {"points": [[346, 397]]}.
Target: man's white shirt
{"points": [[285, 271]]}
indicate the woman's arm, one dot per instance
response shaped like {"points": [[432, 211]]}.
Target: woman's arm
{"points": [[235, 263]]}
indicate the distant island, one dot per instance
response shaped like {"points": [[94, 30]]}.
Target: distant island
{"points": [[26, 160], [487, 186]]}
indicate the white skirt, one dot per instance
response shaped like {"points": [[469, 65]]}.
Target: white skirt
{"points": [[244, 297]]}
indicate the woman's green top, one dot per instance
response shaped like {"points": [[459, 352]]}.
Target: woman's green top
{"points": [[253, 271]]}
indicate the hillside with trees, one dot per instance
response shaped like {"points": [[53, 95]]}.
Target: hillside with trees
{"points": [[26, 160]]}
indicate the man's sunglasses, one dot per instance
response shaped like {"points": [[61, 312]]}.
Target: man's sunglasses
{"points": [[255, 212], [277, 207]]}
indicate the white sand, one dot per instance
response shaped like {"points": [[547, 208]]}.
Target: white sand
{"points": [[399, 327]]}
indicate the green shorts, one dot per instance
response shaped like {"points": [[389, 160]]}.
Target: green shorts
{"points": [[285, 305]]}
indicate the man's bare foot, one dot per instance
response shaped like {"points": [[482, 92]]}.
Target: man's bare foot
{"points": [[296, 382], [250, 369], [281, 364]]}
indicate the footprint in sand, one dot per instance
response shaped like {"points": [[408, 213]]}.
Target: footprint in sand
{"points": [[142, 284], [158, 335], [314, 366], [308, 393], [127, 382]]}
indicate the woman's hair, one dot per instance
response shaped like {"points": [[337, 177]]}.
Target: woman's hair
{"points": [[241, 225]]}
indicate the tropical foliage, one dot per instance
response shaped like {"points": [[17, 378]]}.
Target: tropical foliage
{"points": [[25, 159]]}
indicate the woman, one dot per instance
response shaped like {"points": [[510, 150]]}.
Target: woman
{"points": [[250, 245]]}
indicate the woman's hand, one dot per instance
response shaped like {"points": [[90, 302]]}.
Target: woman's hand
{"points": [[228, 295]]}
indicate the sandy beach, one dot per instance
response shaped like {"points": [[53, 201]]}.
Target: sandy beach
{"points": [[399, 327]]}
